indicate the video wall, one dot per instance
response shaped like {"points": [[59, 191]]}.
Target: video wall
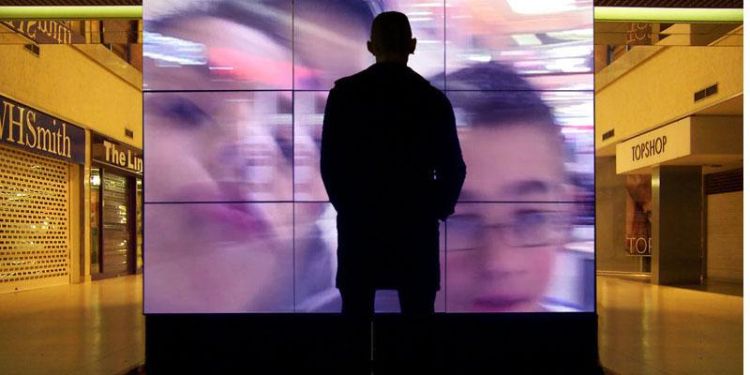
{"points": [[236, 215]]}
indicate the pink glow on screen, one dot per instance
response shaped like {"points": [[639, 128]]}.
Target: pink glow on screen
{"points": [[237, 219]]}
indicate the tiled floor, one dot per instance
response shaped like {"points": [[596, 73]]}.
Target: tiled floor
{"points": [[91, 328], [97, 328], [649, 329]]}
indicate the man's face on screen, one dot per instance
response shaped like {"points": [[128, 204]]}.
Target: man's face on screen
{"points": [[503, 237]]}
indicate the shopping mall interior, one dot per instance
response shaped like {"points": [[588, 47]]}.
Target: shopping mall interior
{"points": [[160, 159]]}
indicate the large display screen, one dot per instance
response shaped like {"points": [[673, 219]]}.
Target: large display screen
{"points": [[236, 216]]}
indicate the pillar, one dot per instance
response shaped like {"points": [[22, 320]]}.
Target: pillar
{"points": [[676, 224]]}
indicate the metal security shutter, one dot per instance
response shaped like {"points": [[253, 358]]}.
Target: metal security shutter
{"points": [[34, 233], [116, 232]]}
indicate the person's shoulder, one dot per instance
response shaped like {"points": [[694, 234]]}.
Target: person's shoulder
{"points": [[352, 81], [437, 95], [428, 86]]}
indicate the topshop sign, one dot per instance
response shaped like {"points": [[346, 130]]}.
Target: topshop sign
{"points": [[655, 147], [649, 148]]}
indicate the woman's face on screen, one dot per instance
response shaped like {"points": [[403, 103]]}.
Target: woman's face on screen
{"points": [[218, 165]]}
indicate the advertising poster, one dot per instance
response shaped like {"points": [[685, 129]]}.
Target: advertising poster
{"points": [[638, 215]]}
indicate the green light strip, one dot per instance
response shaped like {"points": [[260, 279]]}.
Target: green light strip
{"points": [[670, 15], [611, 14], [70, 12]]}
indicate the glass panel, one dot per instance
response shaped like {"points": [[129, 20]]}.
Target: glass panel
{"points": [[331, 39], [315, 243], [524, 145], [205, 46], [519, 257], [96, 183], [519, 74], [218, 257], [308, 128], [138, 225], [230, 146], [550, 42], [427, 18], [116, 232]]}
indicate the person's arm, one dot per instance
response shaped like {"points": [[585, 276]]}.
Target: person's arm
{"points": [[450, 169], [330, 150]]}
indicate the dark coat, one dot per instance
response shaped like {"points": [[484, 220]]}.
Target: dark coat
{"points": [[392, 166]]}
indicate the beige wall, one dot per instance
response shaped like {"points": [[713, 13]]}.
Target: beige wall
{"points": [[660, 89], [724, 236], [87, 86], [66, 83]]}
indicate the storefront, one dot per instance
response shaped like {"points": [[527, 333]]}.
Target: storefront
{"points": [[669, 203], [116, 202], [41, 160]]}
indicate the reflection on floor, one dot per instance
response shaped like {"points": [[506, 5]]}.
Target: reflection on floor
{"points": [[649, 329], [91, 328], [97, 328]]}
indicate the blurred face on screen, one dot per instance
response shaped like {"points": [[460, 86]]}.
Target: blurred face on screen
{"points": [[205, 52], [500, 255], [221, 149], [218, 152]]}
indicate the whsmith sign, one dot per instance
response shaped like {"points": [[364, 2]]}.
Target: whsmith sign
{"points": [[45, 31], [31, 130]]}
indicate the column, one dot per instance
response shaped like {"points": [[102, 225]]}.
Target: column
{"points": [[676, 224]]}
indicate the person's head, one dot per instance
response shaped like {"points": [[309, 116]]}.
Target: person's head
{"points": [[390, 38], [509, 223], [328, 39]]}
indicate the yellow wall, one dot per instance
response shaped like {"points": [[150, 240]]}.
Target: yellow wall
{"points": [[660, 89], [85, 85], [66, 83], [724, 236]]}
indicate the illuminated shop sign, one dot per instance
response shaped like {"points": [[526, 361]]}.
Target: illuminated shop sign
{"points": [[702, 138], [117, 154], [45, 31], [655, 147], [27, 128], [649, 148]]}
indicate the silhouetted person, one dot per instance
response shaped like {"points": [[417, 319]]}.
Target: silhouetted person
{"points": [[392, 166]]}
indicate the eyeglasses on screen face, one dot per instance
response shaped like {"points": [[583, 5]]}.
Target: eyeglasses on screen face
{"points": [[525, 228]]}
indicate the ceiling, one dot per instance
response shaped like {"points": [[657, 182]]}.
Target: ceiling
{"points": [[68, 2], [729, 107], [670, 3], [603, 3]]}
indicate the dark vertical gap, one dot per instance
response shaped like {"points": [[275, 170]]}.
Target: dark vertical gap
{"points": [[445, 265], [445, 45], [445, 88], [102, 270], [593, 174], [132, 202], [294, 185], [101, 222]]}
